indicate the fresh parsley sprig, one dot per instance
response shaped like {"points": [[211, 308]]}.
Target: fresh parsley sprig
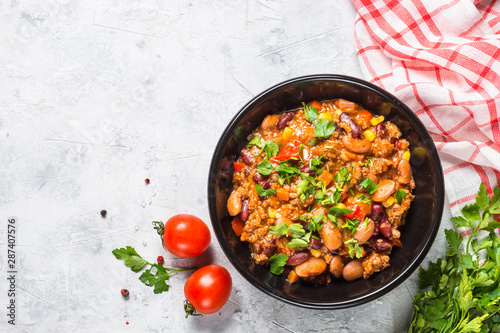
{"points": [[458, 293], [156, 276]]}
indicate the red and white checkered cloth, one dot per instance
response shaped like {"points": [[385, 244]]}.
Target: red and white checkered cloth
{"points": [[442, 59]]}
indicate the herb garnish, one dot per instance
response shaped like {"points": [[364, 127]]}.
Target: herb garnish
{"points": [[264, 193], [400, 195], [265, 168], [369, 185], [464, 294], [277, 261], [354, 248], [156, 276]]}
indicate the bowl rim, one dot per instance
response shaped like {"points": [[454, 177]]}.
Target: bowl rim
{"points": [[393, 282]]}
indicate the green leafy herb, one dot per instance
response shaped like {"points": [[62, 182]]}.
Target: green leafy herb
{"points": [[280, 229], [285, 172], [264, 193], [400, 195], [271, 148], [277, 261], [257, 141], [351, 225], [323, 128], [354, 249], [265, 168], [310, 113], [298, 242], [296, 230], [312, 142], [460, 292], [369, 185], [339, 211], [316, 223], [156, 276], [364, 199], [369, 161]]}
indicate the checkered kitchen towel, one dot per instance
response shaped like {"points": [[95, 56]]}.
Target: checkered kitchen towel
{"points": [[442, 59]]}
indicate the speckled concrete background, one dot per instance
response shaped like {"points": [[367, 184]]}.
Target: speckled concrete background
{"points": [[96, 96]]}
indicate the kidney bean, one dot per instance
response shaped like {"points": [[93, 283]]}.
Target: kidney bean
{"points": [[355, 129], [315, 243], [312, 267], [234, 204], [267, 184], [298, 258], [380, 127], [377, 212], [226, 165], [385, 229], [257, 177], [269, 250], [379, 244], [284, 120], [336, 266], [246, 156], [353, 270], [376, 231], [245, 211]]}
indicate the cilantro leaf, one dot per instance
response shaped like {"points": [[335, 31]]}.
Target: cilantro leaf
{"points": [[277, 261], [264, 193], [265, 168], [339, 211], [369, 185], [257, 141], [354, 249], [296, 230], [158, 280], [310, 113], [316, 223], [312, 142], [323, 128], [482, 199], [130, 257], [280, 229], [351, 225], [400, 195], [364, 199], [298, 242], [271, 148]]}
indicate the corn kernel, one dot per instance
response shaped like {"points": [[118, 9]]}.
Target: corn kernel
{"points": [[315, 253], [369, 135], [337, 113], [389, 202], [377, 120], [287, 133], [271, 213], [326, 115], [340, 205], [406, 155]]}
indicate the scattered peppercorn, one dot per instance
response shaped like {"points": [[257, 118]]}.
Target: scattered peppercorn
{"points": [[160, 260], [125, 292], [104, 212], [126, 322], [147, 180]]}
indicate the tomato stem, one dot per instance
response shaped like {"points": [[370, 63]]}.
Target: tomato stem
{"points": [[190, 310]]}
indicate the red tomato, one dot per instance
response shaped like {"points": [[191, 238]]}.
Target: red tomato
{"points": [[186, 236], [208, 288], [288, 152]]}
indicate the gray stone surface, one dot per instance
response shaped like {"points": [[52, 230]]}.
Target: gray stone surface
{"points": [[96, 96]]}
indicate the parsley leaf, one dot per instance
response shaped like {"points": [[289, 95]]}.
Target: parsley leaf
{"points": [[364, 199], [316, 223], [323, 128], [354, 249], [339, 211], [130, 257], [257, 141], [280, 229], [400, 195], [350, 225], [265, 168], [155, 276], [285, 172], [312, 142], [271, 148], [277, 261], [464, 294], [310, 113], [264, 193], [369, 185]]}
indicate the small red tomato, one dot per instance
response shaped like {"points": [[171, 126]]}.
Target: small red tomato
{"points": [[186, 236], [208, 288]]}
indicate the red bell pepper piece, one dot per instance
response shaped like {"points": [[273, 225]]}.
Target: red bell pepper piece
{"points": [[238, 167], [290, 151]]}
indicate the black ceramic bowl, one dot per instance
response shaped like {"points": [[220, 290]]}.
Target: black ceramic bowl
{"points": [[422, 221]]}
